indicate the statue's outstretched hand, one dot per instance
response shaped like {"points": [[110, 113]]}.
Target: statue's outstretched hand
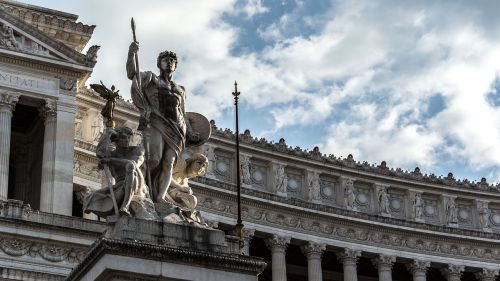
{"points": [[134, 47]]}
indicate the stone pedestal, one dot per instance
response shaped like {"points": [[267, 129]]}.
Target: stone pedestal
{"points": [[134, 249]]}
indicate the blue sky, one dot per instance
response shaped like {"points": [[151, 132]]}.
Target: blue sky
{"points": [[414, 83]]}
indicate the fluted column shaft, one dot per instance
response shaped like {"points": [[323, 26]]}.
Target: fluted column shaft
{"points": [[453, 272], [349, 259], [278, 245], [49, 113], [487, 274], [313, 252], [7, 103], [384, 265], [419, 270]]}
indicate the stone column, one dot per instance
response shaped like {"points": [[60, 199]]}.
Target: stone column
{"points": [[419, 269], [313, 252], [349, 258], [278, 245], [384, 265], [453, 272], [7, 103], [248, 234], [49, 113], [487, 274]]}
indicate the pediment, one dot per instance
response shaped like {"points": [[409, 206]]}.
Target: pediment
{"points": [[21, 39]]}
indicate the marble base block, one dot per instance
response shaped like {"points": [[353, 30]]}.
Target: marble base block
{"points": [[134, 249]]}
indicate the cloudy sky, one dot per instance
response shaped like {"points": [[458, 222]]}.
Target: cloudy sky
{"points": [[414, 83]]}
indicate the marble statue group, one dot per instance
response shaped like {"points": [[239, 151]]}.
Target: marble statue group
{"points": [[149, 180]]}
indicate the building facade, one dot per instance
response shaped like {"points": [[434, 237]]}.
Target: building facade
{"points": [[309, 215]]}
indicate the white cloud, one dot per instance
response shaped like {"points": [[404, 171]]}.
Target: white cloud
{"points": [[381, 59]]}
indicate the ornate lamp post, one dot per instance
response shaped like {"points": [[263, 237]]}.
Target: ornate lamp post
{"points": [[239, 223]]}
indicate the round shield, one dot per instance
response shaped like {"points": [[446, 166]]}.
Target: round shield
{"points": [[200, 126]]}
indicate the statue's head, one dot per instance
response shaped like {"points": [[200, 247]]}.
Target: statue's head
{"points": [[196, 165], [124, 134], [167, 62]]}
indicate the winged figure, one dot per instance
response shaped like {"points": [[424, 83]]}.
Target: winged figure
{"points": [[110, 95]]}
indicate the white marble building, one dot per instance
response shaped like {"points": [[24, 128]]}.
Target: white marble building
{"points": [[310, 216]]}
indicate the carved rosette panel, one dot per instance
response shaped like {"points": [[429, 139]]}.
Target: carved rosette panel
{"points": [[464, 215], [397, 205], [495, 218], [363, 200], [48, 252], [224, 168], [431, 210], [259, 175], [295, 185], [328, 190]]}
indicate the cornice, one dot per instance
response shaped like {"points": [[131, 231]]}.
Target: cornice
{"points": [[236, 263], [226, 191], [427, 239], [60, 47]]}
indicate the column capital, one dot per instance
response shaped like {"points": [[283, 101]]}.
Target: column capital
{"points": [[248, 233], [487, 274], [278, 243], [312, 249], [349, 255], [8, 101], [384, 261], [453, 272], [49, 109], [418, 266]]}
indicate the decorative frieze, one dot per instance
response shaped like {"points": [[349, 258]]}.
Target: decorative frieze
{"points": [[50, 252]]}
